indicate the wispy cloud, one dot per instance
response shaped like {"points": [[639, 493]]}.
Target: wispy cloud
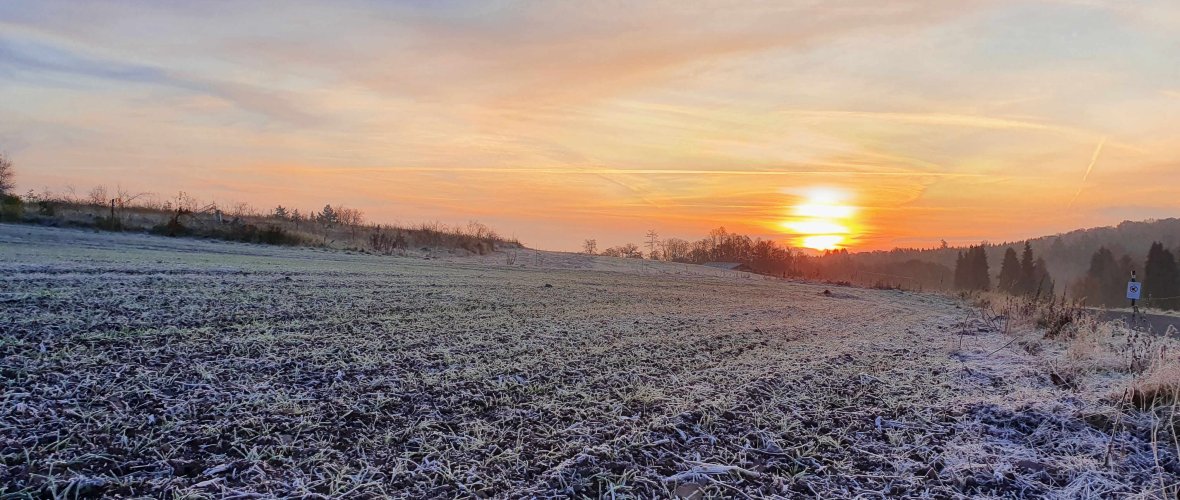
{"points": [[953, 120], [50, 64], [626, 171], [649, 113]]}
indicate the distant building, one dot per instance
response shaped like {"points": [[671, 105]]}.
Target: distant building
{"points": [[729, 266]]}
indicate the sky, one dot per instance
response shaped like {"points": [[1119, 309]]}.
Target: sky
{"points": [[910, 121]]}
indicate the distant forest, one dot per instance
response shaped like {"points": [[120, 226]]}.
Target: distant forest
{"points": [[1089, 265]]}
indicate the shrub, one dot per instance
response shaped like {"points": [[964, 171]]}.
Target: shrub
{"points": [[478, 247], [1055, 318], [11, 208], [275, 235], [249, 233], [387, 242], [111, 223], [173, 227], [1160, 385]]}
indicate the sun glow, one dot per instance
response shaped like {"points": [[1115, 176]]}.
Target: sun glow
{"points": [[815, 227], [824, 211], [823, 241], [823, 220]]}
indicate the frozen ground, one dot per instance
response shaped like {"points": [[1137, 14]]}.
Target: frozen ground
{"points": [[135, 365]]}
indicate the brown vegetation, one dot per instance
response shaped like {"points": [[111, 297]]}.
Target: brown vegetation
{"points": [[1134, 370], [335, 226]]}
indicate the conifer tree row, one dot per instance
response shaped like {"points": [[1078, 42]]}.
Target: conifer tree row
{"points": [[971, 270]]}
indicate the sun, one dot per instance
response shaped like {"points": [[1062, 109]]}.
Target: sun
{"points": [[823, 220], [822, 241]]}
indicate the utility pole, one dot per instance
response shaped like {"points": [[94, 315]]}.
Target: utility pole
{"points": [[653, 239]]}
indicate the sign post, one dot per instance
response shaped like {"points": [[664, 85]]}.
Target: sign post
{"points": [[1134, 291]]}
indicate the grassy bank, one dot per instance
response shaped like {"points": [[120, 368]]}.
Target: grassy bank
{"points": [[185, 217]]}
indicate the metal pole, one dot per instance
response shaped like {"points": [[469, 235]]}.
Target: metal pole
{"points": [[1134, 308]]}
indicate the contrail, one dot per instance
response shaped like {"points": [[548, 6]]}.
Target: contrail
{"points": [[1093, 160]]}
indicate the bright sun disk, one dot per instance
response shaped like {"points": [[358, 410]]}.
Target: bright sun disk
{"points": [[823, 241], [822, 221]]}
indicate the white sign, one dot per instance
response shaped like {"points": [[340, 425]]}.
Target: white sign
{"points": [[1133, 290]]}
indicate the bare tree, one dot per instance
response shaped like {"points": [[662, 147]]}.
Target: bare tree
{"points": [[590, 246], [186, 203], [126, 198], [676, 249], [6, 175], [653, 242], [242, 209], [350, 216], [630, 250], [98, 196], [480, 231]]}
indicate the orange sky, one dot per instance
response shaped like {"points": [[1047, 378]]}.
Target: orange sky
{"points": [[556, 122]]}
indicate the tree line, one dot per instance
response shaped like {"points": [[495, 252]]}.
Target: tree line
{"points": [[1104, 283], [1020, 273], [769, 257], [761, 255], [1026, 275], [332, 226], [330, 215], [1106, 279]]}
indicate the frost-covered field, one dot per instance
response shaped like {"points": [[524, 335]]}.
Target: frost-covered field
{"points": [[136, 365]]}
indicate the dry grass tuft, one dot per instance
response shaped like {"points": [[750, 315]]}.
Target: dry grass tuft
{"points": [[1159, 386], [1128, 379]]}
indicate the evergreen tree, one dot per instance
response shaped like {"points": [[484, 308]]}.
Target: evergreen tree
{"points": [[971, 271], [981, 276], [1103, 283], [1043, 282], [1026, 283], [1161, 278], [328, 216], [1128, 266], [1009, 272], [960, 272]]}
